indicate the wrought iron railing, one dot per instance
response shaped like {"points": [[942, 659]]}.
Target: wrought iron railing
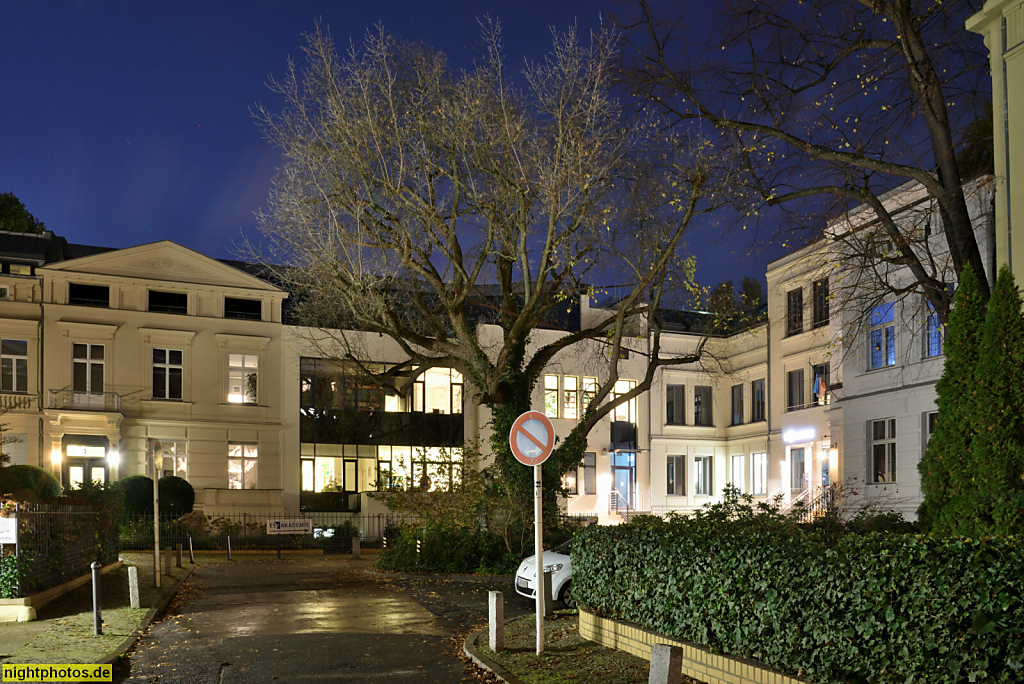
{"points": [[109, 402]]}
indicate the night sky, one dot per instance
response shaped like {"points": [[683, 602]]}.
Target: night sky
{"points": [[129, 122]]}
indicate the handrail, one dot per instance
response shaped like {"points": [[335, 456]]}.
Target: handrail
{"points": [[83, 401]]}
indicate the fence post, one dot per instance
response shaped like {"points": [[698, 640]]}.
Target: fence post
{"points": [[17, 546], [97, 619], [191, 553], [278, 545], [229, 547], [178, 555], [167, 562], [355, 546]]}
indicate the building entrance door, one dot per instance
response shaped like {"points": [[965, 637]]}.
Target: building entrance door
{"points": [[624, 477], [81, 470]]}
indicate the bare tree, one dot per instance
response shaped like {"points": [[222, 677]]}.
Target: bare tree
{"points": [[418, 201], [845, 99]]}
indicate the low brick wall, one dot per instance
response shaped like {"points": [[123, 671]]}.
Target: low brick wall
{"points": [[698, 662]]}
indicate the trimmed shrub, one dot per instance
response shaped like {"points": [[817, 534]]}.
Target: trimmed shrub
{"points": [[136, 494], [29, 482], [446, 548], [834, 607], [177, 497]]}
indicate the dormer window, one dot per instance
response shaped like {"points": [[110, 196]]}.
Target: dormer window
{"points": [[245, 309]]}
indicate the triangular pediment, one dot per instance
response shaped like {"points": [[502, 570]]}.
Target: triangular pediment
{"points": [[165, 260]]}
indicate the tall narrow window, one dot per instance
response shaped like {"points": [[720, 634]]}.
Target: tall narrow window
{"points": [[243, 370], [737, 405], [703, 476], [88, 368], [167, 373], [676, 476], [820, 313], [627, 410], [820, 393], [795, 390], [798, 467], [932, 334], [675, 405], [883, 450], [590, 472], [757, 402], [702, 406], [551, 396], [882, 337], [759, 474], [930, 419], [243, 466], [736, 478], [570, 398], [13, 366], [589, 391], [794, 312]]}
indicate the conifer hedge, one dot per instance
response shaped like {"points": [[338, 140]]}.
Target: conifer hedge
{"points": [[835, 607]]}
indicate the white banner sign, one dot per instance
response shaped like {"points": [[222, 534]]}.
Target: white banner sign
{"points": [[9, 530], [295, 526]]}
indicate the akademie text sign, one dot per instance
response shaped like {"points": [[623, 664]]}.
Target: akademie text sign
{"points": [[294, 526]]}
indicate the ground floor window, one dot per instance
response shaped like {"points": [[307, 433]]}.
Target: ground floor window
{"points": [[243, 466], [883, 450], [676, 476], [362, 467], [736, 473], [171, 457], [703, 477], [759, 474], [590, 472], [798, 461]]}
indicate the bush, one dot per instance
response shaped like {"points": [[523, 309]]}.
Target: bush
{"points": [[446, 548], [29, 483], [135, 494], [832, 606], [177, 496]]}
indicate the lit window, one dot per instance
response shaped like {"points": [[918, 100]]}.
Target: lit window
{"points": [[589, 391], [625, 411], [883, 450], [167, 373], [932, 334], [570, 398], [882, 337], [173, 456], [551, 396], [798, 461], [820, 393], [243, 370], [13, 366], [736, 474], [243, 460]]}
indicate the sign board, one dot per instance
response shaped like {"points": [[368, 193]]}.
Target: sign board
{"points": [[293, 526], [9, 530], [532, 438]]}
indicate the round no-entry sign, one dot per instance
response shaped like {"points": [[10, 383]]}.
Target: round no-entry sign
{"points": [[532, 438]]}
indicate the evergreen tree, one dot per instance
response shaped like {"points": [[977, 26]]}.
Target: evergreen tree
{"points": [[15, 217], [945, 469], [997, 455]]}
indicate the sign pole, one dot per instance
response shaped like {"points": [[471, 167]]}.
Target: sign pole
{"points": [[538, 543]]}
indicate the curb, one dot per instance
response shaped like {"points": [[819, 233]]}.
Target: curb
{"points": [[484, 663], [115, 655]]}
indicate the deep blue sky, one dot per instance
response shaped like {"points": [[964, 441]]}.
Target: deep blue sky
{"points": [[129, 122]]}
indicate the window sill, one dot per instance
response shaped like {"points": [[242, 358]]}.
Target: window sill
{"points": [[157, 400]]}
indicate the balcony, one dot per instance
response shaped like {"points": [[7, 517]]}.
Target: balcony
{"points": [[106, 402]]}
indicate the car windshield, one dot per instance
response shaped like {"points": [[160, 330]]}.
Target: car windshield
{"points": [[564, 548]]}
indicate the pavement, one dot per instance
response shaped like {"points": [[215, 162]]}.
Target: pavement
{"points": [[312, 619]]}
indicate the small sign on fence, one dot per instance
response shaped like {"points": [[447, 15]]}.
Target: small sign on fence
{"points": [[9, 530], [292, 526]]}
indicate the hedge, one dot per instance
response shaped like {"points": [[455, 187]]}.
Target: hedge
{"points": [[832, 607]]}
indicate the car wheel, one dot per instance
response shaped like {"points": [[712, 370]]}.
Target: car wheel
{"points": [[566, 596]]}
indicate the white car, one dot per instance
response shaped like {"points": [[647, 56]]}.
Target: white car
{"points": [[556, 560]]}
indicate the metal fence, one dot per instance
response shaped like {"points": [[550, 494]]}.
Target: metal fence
{"points": [[57, 543], [248, 532]]}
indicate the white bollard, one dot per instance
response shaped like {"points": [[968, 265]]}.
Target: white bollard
{"points": [[549, 603], [666, 664], [133, 585], [496, 621]]}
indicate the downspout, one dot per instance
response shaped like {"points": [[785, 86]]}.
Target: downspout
{"points": [[768, 401], [650, 430], [39, 375]]}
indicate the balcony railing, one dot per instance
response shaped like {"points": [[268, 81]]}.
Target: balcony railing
{"points": [[107, 402]]}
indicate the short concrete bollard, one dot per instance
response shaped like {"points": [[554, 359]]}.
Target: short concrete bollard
{"points": [[167, 561], [496, 621], [549, 604], [133, 586], [177, 551], [666, 664], [355, 546], [97, 617]]}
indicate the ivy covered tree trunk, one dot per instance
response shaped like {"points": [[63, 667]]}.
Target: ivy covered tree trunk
{"points": [[998, 450], [946, 477]]}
